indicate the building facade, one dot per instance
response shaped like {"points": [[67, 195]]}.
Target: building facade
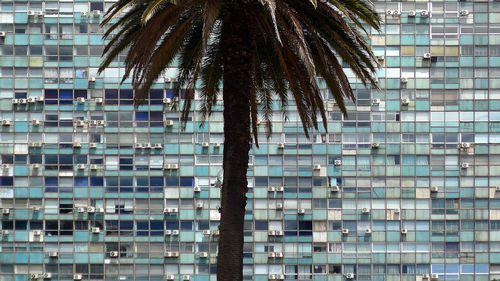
{"points": [[405, 188]]}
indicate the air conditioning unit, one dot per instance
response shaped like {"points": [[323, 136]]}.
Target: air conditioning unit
{"points": [[280, 277], [35, 208], [2, 33], [497, 188], [6, 211], [168, 232], [465, 145], [199, 205], [90, 209], [169, 123], [404, 80], [279, 232], [206, 232], [77, 277], [404, 231], [100, 122], [80, 166], [4, 232], [30, 13], [92, 79], [5, 166], [39, 99], [81, 209], [31, 100], [47, 275], [317, 167], [77, 144], [281, 145], [301, 211], [217, 144], [412, 14], [34, 276], [138, 145], [167, 100], [349, 275], [389, 12], [39, 13], [375, 101], [271, 188], [215, 232], [464, 13], [335, 188], [337, 162], [196, 189], [271, 233], [405, 101], [5, 122], [15, 101], [84, 14], [271, 255], [203, 255], [434, 276], [279, 206], [35, 144], [98, 100], [158, 145], [95, 229], [80, 123], [205, 144], [368, 231], [396, 13], [465, 165], [92, 145], [80, 100], [35, 166], [186, 277], [174, 166], [271, 277], [96, 13], [424, 13], [280, 188], [113, 254], [434, 189], [146, 145], [375, 145], [279, 254], [425, 276], [380, 58], [53, 254], [365, 210], [93, 122], [427, 56], [345, 231], [35, 122], [170, 277], [37, 232]]}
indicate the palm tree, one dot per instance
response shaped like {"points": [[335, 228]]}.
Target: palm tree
{"points": [[260, 50]]}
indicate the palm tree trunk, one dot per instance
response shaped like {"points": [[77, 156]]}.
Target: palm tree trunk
{"points": [[238, 49]]}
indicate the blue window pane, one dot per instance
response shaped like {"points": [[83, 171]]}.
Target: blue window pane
{"points": [[81, 181], [187, 181], [141, 116]]}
